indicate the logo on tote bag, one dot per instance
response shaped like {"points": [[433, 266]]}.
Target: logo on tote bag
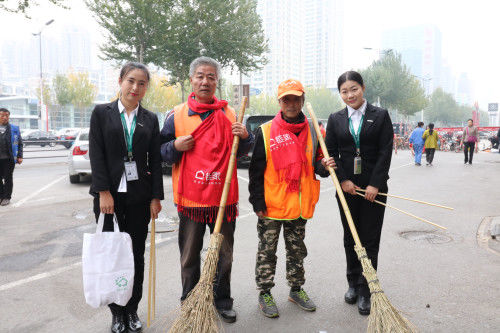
{"points": [[121, 283]]}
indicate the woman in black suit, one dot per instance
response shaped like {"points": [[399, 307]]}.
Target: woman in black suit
{"points": [[360, 139], [125, 137]]}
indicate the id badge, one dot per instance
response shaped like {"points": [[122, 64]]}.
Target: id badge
{"points": [[131, 171], [357, 165]]}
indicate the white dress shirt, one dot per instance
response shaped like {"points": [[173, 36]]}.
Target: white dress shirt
{"points": [[128, 120], [356, 115]]}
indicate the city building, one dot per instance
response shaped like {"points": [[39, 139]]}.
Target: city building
{"points": [[420, 49], [305, 43]]}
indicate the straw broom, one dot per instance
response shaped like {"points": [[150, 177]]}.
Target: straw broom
{"points": [[383, 316], [198, 313]]}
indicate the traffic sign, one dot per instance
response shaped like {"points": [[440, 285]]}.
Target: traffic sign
{"points": [[492, 107]]}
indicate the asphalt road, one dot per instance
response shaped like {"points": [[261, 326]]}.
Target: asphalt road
{"points": [[443, 281]]}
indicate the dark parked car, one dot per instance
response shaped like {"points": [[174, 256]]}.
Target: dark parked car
{"points": [[40, 138], [252, 123]]}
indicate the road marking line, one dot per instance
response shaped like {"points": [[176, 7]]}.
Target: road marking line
{"points": [[34, 194], [63, 269], [327, 190], [401, 166], [39, 276], [244, 179]]}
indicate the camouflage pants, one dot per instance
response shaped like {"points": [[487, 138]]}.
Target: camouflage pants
{"points": [[294, 233]]}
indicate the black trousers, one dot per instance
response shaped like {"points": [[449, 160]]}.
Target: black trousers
{"points": [[134, 220], [469, 148], [190, 245], [429, 154], [6, 184], [368, 218]]}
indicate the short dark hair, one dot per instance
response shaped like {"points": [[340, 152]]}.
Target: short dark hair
{"points": [[4, 110], [130, 66], [420, 124], [350, 75], [471, 120]]}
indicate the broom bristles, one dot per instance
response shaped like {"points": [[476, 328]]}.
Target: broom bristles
{"points": [[384, 317], [198, 313]]}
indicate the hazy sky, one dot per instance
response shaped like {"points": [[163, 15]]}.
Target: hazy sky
{"points": [[470, 32]]}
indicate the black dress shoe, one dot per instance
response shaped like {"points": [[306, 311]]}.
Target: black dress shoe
{"points": [[229, 316], [351, 295], [134, 323], [364, 305], [118, 323]]}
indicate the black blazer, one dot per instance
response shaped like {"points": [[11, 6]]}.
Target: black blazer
{"points": [[108, 152], [376, 140]]}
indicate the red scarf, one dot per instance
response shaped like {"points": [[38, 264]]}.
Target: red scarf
{"points": [[197, 107], [203, 169], [288, 150]]}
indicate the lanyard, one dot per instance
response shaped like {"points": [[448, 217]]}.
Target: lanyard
{"points": [[356, 135], [128, 135]]}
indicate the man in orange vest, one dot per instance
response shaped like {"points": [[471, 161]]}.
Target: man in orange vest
{"points": [[284, 191], [197, 137]]}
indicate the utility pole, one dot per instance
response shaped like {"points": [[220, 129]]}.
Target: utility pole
{"points": [[41, 124]]}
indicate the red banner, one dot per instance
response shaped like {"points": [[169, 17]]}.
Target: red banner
{"points": [[459, 129]]}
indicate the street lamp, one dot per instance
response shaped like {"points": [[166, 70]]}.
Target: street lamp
{"points": [[380, 51], [39, 34]]}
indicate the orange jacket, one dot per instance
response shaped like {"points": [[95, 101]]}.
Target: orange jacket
{"points": [[185, 125], [284, 205]]}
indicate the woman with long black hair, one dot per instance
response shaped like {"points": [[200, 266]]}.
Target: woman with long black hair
{"points": [[360, 138], [431, 143], [125, 136]]}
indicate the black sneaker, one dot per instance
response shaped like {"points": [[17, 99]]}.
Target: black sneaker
{"points": [[302, 300], [227, 315], [268, 305], [4, 202]]}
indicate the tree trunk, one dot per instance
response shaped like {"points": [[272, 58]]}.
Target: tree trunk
{"points": [[182, 91]]}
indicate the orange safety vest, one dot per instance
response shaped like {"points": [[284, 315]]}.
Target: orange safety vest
{"points": [[284, 205], [185, 125]]}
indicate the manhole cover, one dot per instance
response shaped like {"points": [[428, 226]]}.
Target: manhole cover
{"points": [[427, 236]]}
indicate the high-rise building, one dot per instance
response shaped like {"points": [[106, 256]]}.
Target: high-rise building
{"points": [[464, 90], [322, 42], [304, 40], [420, 49]]}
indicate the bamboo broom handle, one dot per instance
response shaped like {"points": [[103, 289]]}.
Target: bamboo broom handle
{"points": [[230, 169], [151, 265], [404, 212], [153, 231], [409, 199], [340, 193]]}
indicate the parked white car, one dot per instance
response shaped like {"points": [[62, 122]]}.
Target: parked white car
{"points": [[78, 157]]}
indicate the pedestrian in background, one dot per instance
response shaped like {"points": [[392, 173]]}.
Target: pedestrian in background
{"points": [[431, 143], [124, 148], [11, 152], [197, 138], [469, 140], [498, 139], [284, 192], [418, 142], [360, 139]]}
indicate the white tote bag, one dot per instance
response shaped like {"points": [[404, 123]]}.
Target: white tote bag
{"points": [[108, 266]]}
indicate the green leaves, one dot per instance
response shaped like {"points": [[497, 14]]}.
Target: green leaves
{"points": [[391, 81], [62, 91], [171, 33], [23, 6]]}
